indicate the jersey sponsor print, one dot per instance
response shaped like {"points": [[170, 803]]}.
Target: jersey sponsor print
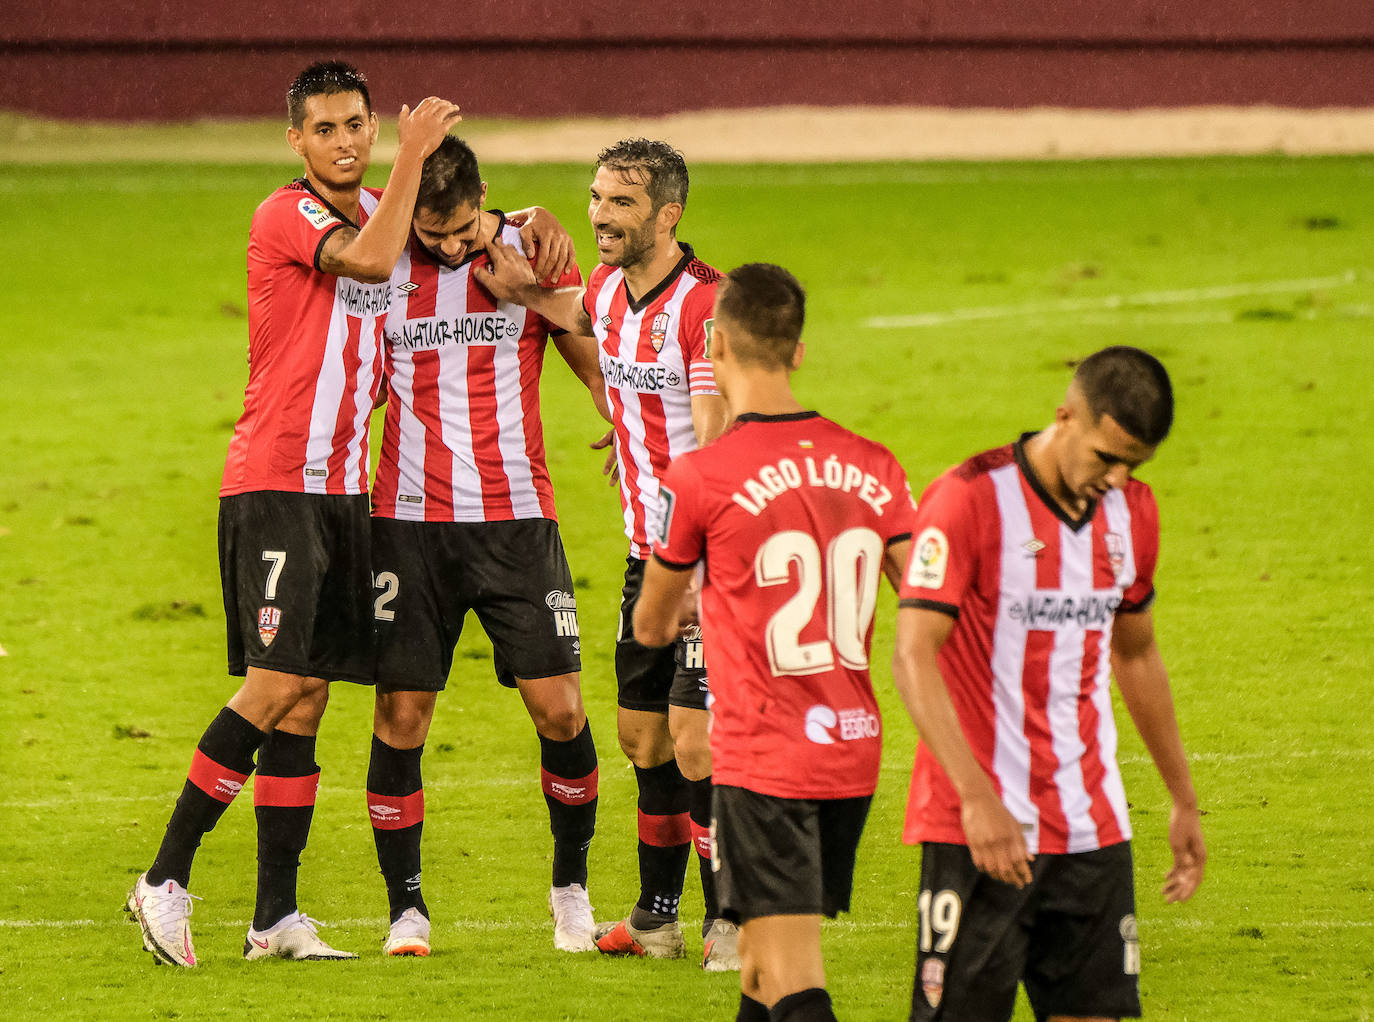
{"points": [[463, 439], [792, 515], [654, 358], [314, 355], [1027, 666]]}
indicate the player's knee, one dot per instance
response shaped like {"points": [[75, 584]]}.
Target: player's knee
{"points": [[402, 720], [561, 723], [694, 761]]}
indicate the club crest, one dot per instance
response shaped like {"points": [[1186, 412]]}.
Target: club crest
{"points": [[658, 332], [269, 620]]}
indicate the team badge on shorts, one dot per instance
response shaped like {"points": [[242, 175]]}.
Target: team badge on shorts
{"points": [[269, 619], [933, 980], [658, 332]]}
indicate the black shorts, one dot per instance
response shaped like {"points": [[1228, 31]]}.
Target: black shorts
{"points": [[297, 578], [650, 678], [783, 856], [514, 575], [1070, 936]]}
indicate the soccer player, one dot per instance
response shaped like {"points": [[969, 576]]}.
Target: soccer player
{"points": [[795, 520], [1030, 580], [649, 303], [464, 519]]}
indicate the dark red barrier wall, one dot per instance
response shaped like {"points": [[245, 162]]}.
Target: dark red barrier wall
{"points": [[521, 57]]}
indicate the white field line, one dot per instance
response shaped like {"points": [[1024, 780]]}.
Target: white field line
{"points": [[513, 925], [1141, 299]]}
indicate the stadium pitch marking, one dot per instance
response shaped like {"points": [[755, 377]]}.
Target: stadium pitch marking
{"points": [[1141, 299]]}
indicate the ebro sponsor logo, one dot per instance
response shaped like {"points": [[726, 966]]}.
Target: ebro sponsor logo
{"points": [[853, 725]]}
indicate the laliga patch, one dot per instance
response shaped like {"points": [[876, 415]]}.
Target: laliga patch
{"points": [[710, 327], [929, 559], [1116, 553], [933, 981], [269, 620], [315, 214], [658, 332]]}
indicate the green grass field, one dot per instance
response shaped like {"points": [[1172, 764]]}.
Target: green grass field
{"points": [[124, 340]]}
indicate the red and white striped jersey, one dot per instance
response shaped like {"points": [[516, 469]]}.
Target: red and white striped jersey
{"points": [[655, 357], [792, 516], [463, 440], [314, 355], [1027, 664]]}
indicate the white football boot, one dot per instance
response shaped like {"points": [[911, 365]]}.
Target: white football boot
{"points": [[409, 935], [573, 923], [294, 937], [163, 913]]}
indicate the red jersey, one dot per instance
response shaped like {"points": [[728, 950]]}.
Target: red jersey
{"points": [[1027, 664], [655, 356], [463, 440], [792, 515], [314, 354]]}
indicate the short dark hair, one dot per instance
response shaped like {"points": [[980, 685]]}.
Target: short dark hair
{"points": [[450, 178], [660, 163], [324, 78], [1132, 386], [769, 306]]}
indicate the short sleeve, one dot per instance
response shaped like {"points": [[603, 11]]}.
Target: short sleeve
{"points": [[899, 522], [695, 337], [944, 549], [1145, 543], [679, 532], [291, 226]]}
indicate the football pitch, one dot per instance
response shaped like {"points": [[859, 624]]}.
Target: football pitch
{"points": [[945, 303]]}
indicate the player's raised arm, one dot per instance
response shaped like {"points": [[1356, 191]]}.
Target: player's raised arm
{"points": [[1144, 683], [994, 837], [370, 254], [511, 279]]}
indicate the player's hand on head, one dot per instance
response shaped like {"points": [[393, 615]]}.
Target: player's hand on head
{"points": [[506, 273], [427, 124], [611, 467], [995, 841], [1190, 854], [546, 241]]}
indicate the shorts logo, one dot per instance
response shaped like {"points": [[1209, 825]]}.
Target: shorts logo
{"points": [[564, 608], [315, 214], [929, 559], [1130, 955], [658, 332], [693, 650], [269, 620], [933, 980], [854, 725]]}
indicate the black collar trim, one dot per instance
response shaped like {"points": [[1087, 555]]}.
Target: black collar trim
{"points": [[1076, 524], [639, 306], [305, 183], [784, 417]]}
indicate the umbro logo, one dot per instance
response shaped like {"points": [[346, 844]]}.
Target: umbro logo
{"points": [[227, 786], [407, 287], [381, 812], [1033, 546]]}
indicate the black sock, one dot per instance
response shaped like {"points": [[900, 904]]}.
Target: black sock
{"points": [[751, 1010], [700, 800], [396, 804], [219, 768], [284, 801], [664, 842], [568, 773], [812, 1005]]}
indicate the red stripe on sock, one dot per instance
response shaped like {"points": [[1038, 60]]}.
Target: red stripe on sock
{"points": [[664, 831], [285, 791], [570, 792], [701, 837], [215, 779], [396, 812]]}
